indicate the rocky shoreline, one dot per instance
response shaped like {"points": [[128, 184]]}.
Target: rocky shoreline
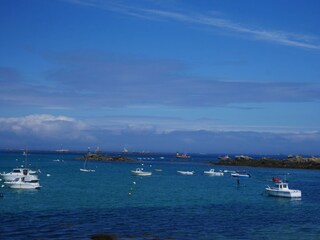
{"points": [[105, 158], [291, 162]]}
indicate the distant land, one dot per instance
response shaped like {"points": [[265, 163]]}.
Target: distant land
{"points": [[298, 161], [105, 158], [290, 162]]}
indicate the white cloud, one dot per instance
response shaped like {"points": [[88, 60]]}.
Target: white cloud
{"points": [[43, 126], [48, 131]]}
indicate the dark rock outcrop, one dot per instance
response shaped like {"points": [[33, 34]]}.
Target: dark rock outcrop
{"points": [[99, 157], [291, 162]]}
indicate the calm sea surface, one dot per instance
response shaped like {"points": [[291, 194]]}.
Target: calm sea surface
{"points": [[77, 205]]}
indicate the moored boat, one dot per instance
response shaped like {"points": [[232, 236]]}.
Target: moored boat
{"points": [[212, 172], [23, 183], [186, 172], [241, 174], [18, 173], [140, 172], [86, 170], [281, 189]]}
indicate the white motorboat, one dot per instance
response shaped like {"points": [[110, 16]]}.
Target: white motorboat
{"points": [[211, 172], [140, 172], [20, 172], [241, 174], [23, 183], [186, 172], [281, 189]]}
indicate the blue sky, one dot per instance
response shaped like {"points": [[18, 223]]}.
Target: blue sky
{"points": [[189, 76]]}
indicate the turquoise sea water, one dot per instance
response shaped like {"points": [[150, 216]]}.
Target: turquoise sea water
{"points": [[166, 205]]}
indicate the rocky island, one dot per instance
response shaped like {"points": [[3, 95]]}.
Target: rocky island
{"points": [[105, 158], [290, 162]]}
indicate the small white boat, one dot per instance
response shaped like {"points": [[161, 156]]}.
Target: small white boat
{"points": [[186, 172], [58, 160], [87, 170], [140, 172], [241, 174], [18, 173], [22, 183], [211, 172], [281, 189]]}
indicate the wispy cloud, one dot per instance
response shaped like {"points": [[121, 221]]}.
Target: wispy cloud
{"points": [[90, 79], [205, 19], [127, 81]]}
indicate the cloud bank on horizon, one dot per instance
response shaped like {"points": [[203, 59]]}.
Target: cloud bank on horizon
{"points": [[160, 76], [37, 131]]}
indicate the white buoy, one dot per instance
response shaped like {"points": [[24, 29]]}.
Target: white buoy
{"points": [[134, 182], [48, 175], [2, 186]]}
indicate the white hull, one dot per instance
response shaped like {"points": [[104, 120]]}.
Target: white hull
{"points": [[18, 173], [140, 172], [87, 170], [213, 173], [144, 174], [290, 193], [186, 172], [20, 183], [23, 185], [9, 178], [240, 175]]}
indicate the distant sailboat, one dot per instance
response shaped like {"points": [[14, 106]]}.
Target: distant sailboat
{"points": [[60, 158], [85, 169]]}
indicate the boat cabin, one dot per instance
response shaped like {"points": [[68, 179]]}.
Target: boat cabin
{"points": [[24, 171], [282, 186]]}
